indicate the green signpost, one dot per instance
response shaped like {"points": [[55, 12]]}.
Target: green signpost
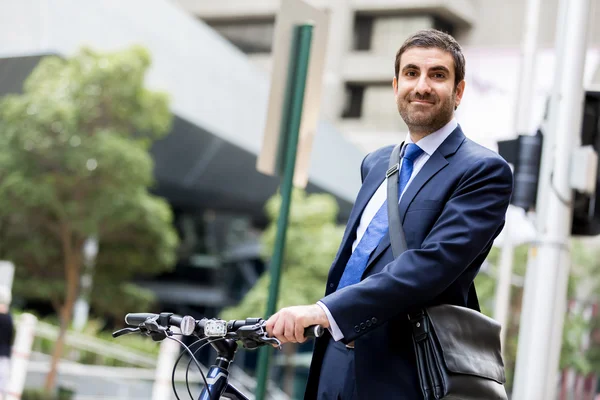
{"points": [[290, 127], [300, 39]]}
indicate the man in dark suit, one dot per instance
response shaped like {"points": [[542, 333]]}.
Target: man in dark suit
{"points": [[454, 195]]}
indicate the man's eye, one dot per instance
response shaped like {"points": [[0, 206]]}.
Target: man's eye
{"points": [[411, 73], [439, 76]]}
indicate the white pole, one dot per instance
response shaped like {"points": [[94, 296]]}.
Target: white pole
{"points": [[548, 153], [522, 123], [7, 273], [541, 329], [503, 285], [527, 77], [20, 356], [81, 308], [547, 164], [169, 351]]}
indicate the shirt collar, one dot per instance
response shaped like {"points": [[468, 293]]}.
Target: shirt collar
{"points": [[431, 142]]}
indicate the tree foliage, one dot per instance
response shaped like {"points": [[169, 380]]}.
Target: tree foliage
{"points": [[583, 290], [311, 243], [74, 164]]}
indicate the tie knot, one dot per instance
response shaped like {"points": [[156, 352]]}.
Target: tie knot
{"points": [[412, 151]]}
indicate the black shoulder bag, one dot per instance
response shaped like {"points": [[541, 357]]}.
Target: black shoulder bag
{"points": [[457, 348]]}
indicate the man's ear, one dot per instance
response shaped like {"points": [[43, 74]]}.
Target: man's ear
{"points": [[395, 85], [460, 90]]}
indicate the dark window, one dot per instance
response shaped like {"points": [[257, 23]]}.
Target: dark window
{"points": [[363, 29], [443, 25], [363, 32], [250, 36], [354, 100]]}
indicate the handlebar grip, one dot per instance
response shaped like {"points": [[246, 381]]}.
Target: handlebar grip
{"points": [[313, 331], [135, 319]]}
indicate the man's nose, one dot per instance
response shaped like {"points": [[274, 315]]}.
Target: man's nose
{"points": [[423, 87]]}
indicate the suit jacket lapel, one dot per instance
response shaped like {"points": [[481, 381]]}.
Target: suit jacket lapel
{"points": [[436, 162]]}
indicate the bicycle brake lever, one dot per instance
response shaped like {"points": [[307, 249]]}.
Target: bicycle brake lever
{"points": [[154, 330], [267, 339], [271, 341], [125, 331]]}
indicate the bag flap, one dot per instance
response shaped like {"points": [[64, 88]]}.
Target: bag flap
{"points": [[470, 341]]}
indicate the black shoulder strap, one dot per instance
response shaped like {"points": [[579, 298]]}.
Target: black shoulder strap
{"points": [[397, 238]]}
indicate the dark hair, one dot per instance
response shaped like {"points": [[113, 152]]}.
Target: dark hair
{"points": [[432, 38]]}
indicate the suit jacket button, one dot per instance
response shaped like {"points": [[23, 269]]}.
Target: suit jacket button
{"points": [[356, 328], [362, 325], [331, 285], [374, 320], [369, 323]]}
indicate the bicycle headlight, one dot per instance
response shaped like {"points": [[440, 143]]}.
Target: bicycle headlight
{"points": [[215, 328]]}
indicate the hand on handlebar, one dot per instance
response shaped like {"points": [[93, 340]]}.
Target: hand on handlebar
{"points": [[289, 323]]}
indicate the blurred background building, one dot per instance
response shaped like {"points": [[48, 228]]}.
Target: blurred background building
{"points": [[364, 37], [214, 59]]}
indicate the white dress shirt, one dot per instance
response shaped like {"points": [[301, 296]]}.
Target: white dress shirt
{"points": [[429, 145]]}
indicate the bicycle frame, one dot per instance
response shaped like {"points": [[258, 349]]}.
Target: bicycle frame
{"points": [[217, 380], [218, 374], [250, 332]]}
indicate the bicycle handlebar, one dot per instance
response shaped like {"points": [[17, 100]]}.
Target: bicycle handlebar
{"points": [[249, 331], [138, 318], [222, 335]]}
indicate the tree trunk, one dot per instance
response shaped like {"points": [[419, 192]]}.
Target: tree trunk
{"points": [[289, 371], [578, 389], [594, 387], [72, 262], [563, 385]]}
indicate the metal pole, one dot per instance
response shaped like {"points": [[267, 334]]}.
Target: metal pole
{"points": [[504, 279], [549, 125], [522, 126], [291, 124], [541, 332], [21, 352], [7, 273], [547, 164], [82, 304], [169, 350]]}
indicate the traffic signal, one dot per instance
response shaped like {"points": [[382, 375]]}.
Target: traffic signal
{"points": [[525, 154], [586, 207]]}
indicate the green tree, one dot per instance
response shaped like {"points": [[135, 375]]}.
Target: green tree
{"points": [[583, 286], [486, 291], [584, 289], [74, 163], [312, 240]]}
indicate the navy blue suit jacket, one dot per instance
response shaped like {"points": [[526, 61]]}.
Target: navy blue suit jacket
{"points": [[452, 211]]}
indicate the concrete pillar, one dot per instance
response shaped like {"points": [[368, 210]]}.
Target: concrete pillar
{"points": [[338, 45]]}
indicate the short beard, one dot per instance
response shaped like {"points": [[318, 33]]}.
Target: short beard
{"points": [[423, 125]]}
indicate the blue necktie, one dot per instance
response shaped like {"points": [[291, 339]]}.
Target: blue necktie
{"points": [[378, 226]]}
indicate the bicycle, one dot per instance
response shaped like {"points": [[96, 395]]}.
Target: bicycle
{"points": [[222, 335]]}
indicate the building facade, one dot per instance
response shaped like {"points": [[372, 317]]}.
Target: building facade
{"points": [[365, 35]]}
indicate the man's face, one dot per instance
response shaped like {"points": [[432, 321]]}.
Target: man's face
{"points": [[424, 90]]}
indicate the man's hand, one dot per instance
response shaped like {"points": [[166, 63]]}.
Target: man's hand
{"points": [[288, 324]]}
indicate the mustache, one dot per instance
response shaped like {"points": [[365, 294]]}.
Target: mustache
{"points": [[420, 97]]}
